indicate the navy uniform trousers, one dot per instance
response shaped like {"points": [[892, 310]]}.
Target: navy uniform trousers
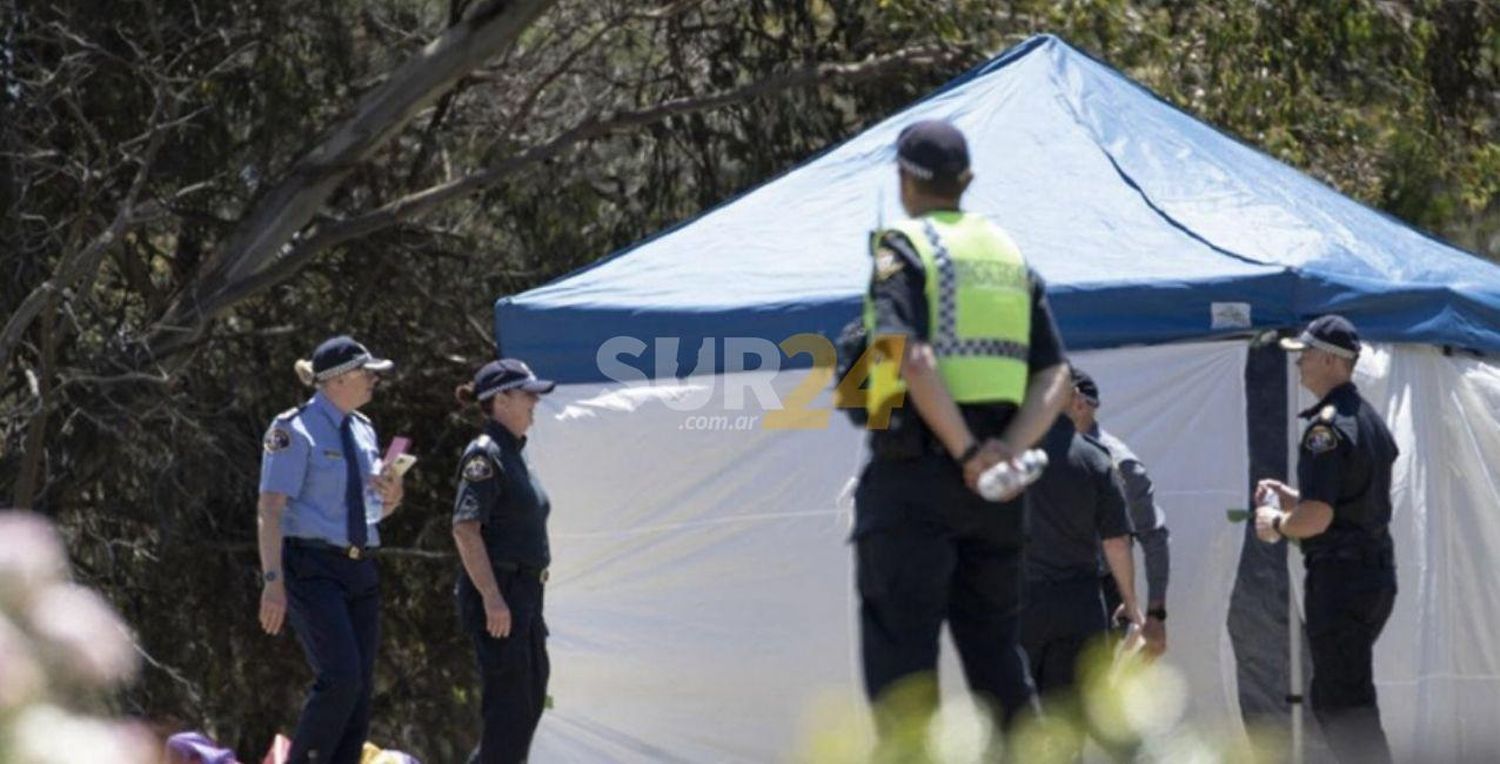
{"points": [[333, 605], [1061, 619], [927, 549], [1348, 603], [513, 669]]}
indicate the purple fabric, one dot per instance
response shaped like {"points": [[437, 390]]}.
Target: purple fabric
{"points": [[196, 748]]}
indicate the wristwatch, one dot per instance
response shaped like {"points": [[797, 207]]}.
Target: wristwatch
{"points": [[969, 453], [270, 576], [1159, 613], [1276, 525]]}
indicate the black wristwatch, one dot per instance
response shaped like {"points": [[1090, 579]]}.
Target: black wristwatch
{"points": [[969, 453], [1159, 613], [269, 577], [1276, 525]]}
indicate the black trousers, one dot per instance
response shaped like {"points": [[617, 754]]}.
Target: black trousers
{"points": [[928, 550], [1348, 604], [1060, 620], [513, 670], [333, 605]]}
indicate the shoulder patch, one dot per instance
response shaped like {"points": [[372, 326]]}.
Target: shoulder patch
{"points": [[887, 263], [478, 468], [1320, 438], [1327, 413], [277, 439]]}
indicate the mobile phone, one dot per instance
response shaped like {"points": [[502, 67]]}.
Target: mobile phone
{"points": [[401, 464]]}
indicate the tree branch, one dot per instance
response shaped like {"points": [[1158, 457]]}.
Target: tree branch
{"points": [[84, 262], [487, 29], [421, 202]]}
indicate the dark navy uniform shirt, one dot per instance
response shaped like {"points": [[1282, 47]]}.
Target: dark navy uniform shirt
{"points": [[898, 290], [498, 489], [1076, 503], [1345, 461]]}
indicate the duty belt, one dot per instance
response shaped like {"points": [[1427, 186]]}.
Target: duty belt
{"points": [[540, 574], [342, 550], [1375, 558]]}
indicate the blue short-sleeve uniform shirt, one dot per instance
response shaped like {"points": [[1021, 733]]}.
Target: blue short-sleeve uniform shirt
{"points": [[304, 459]]}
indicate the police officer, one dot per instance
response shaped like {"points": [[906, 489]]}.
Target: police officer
{"points": [[500, 527], [968, 372], [1074, 509], [1145, 516], [319, 501], [1342, 513]]}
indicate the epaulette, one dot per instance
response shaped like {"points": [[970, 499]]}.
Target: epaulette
{"points": [[1327, 413], [361, 417], [289, 413]]}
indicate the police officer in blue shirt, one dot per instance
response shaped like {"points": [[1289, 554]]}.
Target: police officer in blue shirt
{"points": [[319, 501], [1342, 513], [500, 528]]}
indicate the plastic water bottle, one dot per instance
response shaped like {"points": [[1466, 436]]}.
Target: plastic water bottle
{"points": [[1002, 478], [1273, 500]]}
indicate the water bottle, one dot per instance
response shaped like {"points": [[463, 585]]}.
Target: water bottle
{"points": [[1003, 478]]}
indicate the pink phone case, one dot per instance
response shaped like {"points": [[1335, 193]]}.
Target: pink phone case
{"points": [[398, 446]]}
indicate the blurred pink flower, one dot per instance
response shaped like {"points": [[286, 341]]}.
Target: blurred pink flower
{"points": [[31, 557], [49, 735], [83, 635], [21, 677]]}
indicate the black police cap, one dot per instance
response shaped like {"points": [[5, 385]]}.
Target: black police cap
{"points": [[341, 354], [1331, 333], [496, 377], [932, 149]]}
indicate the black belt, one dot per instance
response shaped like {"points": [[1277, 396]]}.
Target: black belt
{"points": [[540, 574], [1374, 558], [319, 545]]}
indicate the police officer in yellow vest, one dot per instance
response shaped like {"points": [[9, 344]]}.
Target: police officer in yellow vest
{"points": [[969, 371]]}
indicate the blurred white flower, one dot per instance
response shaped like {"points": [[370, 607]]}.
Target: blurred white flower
{"points": [[21, 677], [49, 735], [31, 557], [85, 636]]}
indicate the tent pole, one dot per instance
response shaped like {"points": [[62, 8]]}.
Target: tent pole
{"points": [[1294, 657]]}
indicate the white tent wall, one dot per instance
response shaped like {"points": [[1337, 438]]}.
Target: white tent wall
{"points": [[702, 606], [1437, 664]]}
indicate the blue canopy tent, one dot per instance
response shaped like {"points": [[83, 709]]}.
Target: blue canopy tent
{"points": [[1140, 217], [1151, 228]]}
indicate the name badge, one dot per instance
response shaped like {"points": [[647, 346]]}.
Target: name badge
{"points": [[334, 454]]}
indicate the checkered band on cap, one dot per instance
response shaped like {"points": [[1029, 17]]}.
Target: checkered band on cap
{"points": [[347, 366], [1327, 347], [502, 387], [914, 168], [945, 340]]}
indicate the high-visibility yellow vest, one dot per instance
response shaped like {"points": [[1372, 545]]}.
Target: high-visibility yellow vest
{"points": [[979, 312]]}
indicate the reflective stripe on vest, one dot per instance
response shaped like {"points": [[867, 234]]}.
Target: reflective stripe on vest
{"points": [[980, 323]]}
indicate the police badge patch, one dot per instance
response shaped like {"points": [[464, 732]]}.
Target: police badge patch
{"points": [[1320, 439], [478, 468], [277, 439], [887, 263]]}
